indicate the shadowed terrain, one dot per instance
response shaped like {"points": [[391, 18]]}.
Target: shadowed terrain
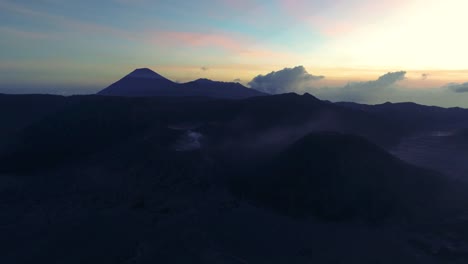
{"points": [[284, 178]]}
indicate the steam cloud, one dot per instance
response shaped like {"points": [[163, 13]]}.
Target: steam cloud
{"points": [[363, 91], [295, 79], [190, 141]]}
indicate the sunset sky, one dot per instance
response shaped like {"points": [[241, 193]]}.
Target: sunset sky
{"points": [[81, 46]]}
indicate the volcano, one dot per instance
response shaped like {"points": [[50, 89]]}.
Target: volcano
{"points": [[145, 82]]}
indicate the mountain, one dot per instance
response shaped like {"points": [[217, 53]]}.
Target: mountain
{"points": [[211, 88], [235, 129], [145, 82], [145, 73], [335, 176], [140, 82], [110, 179], [416, 116], [436, 140]]}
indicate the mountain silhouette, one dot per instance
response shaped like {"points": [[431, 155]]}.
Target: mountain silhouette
{"points": [[145, 82], [416, 116], [140, 82], [145, 73], [335, 176]]}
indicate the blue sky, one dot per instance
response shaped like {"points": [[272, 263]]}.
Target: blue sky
{"points": [[90, 44]]}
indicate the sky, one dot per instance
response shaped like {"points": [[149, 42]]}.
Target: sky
{"points": [[337, 49]]}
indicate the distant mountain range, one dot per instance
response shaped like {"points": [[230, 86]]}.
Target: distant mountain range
{"points": [[145, 82]]}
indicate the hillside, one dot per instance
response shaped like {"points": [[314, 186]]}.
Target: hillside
{"points": [[106, 179], [342, 177]]}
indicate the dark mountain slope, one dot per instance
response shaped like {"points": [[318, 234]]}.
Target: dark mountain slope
{"points": [[434, 141], [205, 87], [341, 177], [415, 116], [106, 179], [141, 82], [237, 128], [277, 120]]}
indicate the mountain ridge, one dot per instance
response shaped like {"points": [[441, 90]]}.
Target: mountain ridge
{"points": [[145, 82]]}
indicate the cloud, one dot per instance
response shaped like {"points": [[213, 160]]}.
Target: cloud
{"points": [[24, 34], [387, 79], [390, 88], [286, 80], [298, 80], [384, 86], [194, 40], [66, 22], [458, 87]]}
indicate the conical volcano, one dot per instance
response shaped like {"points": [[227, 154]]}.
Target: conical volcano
{"points": [[140, 82], [145, 82]]}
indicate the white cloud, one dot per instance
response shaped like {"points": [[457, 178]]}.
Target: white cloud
{"points": [[286, 80]]}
